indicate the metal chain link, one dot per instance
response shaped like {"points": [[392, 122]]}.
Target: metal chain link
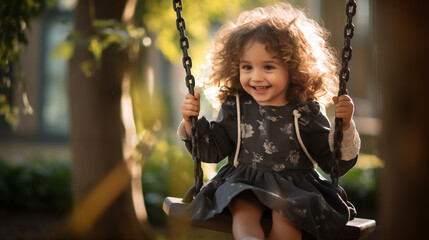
{"points": [[343, 79], [190, 84]]}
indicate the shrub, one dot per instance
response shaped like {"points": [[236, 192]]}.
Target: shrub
{"points": [[36, 184], [167, 172]]}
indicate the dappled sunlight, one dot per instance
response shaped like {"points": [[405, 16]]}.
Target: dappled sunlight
{"points": [[175, 168], [86, 213], [369, 161], [149, 110], [150, 82], [128, 118], [27, 107], [129, 11], [133, 152], [199, 15], [209, 170], [137, 193]]}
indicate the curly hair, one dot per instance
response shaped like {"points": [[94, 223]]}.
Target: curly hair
{"points": [[300, 42]]}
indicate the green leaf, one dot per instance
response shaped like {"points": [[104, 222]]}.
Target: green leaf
{"points": [[64, 50], [87, 67], [95, 47], [111, 39]]}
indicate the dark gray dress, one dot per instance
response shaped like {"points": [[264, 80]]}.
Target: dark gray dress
{"points": [[273, 165]]}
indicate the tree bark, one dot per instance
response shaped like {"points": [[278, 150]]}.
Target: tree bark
{"points": [[402, 36], [97, 132]]}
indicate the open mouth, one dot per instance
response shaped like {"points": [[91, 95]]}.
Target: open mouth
{"points": [[260, 88], [257, 88]]}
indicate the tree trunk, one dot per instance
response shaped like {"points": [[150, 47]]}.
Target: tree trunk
{"points": [[402, 36], [101, 188]]}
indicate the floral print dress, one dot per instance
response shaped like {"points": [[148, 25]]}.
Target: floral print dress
{"points": [[273, 165]]}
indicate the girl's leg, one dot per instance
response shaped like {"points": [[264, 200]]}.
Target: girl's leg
{"points": [[284, 229], [246, 216]]}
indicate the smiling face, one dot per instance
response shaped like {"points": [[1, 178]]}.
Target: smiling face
{"points": [[263, 75]]}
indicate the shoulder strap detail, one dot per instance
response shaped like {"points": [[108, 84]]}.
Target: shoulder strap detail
{"points": [[237, 102], [297, 115]]}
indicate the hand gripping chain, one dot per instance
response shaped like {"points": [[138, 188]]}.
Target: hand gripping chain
{"points": [[190, 83], [343, 79]]}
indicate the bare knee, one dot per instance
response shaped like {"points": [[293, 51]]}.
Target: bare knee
{"points": [[278, 218], [246, 217], [246, 205], [283, 228]]}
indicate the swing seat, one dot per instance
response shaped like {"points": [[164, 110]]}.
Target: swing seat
{"points": [[174, 208]]}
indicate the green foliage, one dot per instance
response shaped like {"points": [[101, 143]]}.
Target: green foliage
{"points": [[201, 16], [6, 110], [167, 172], [15, 18], [107, 32], [37, 184], [361, 186]]}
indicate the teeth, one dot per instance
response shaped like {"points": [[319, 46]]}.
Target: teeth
{"points": [[260, 88]]}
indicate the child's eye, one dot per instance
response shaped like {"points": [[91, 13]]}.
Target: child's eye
{"points": [[246, 67], [269, 67]]}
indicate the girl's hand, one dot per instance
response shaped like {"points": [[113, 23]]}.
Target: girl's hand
{"points": [[344, 109], [190, 108]]}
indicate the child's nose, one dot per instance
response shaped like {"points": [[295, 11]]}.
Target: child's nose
{"points": [[257, 76]]}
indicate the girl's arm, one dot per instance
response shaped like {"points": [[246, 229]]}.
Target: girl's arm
{"points": [[318, 136], [217, 139]]}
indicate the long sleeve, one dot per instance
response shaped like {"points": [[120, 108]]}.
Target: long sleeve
{"points": [[350, 145], [217, 139], [316, 136]]}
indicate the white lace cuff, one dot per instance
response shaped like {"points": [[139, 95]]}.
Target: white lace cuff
{"points": [[351, 141], [181, 130]]}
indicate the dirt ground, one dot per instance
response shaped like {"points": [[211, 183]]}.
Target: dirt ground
{"points": [[18, 225]]}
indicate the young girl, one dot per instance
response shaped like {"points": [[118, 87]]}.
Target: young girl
{"points": [[274, 67]]}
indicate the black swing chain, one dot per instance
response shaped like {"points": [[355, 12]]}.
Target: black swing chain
{"points": [[343, 79], [190, 83]]}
